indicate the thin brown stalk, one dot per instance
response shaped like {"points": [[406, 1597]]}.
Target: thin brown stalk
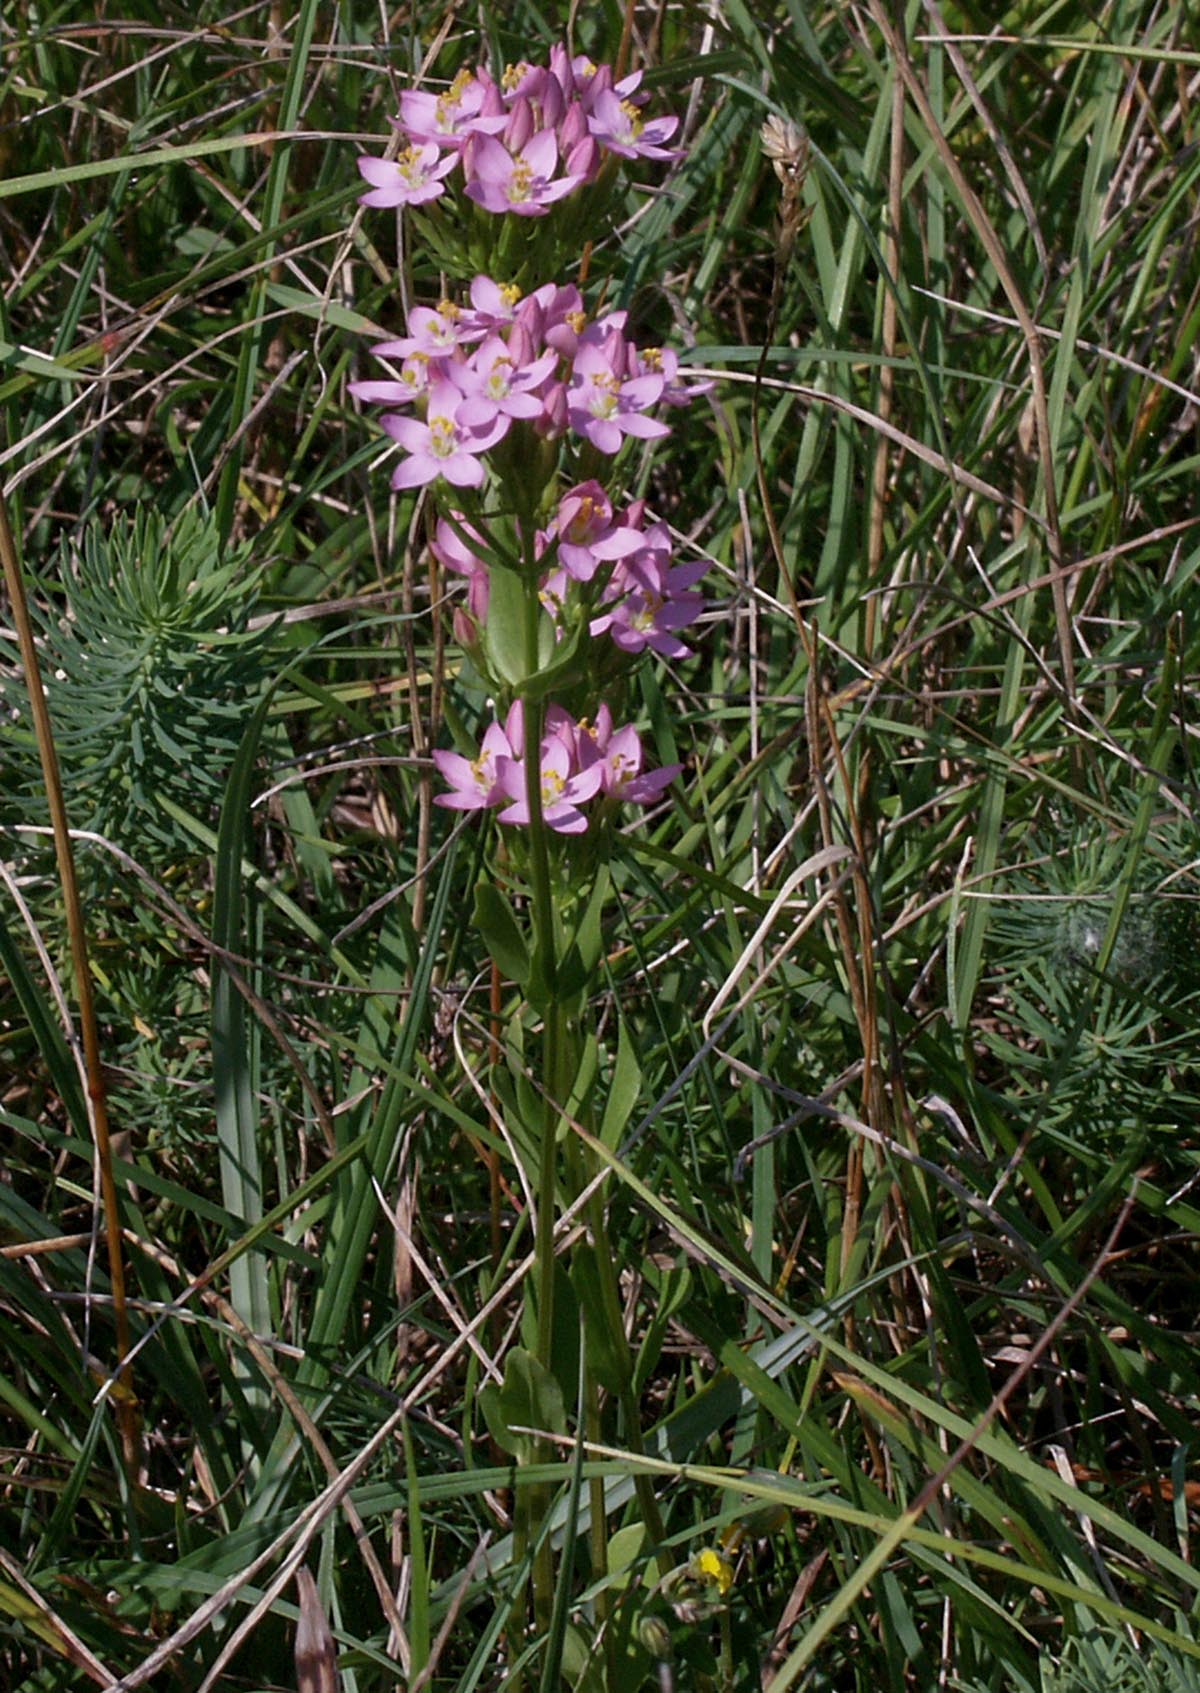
{"points": [[124, 1395]]}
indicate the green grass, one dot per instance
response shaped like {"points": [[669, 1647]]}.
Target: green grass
{"points": [[919, 921]]}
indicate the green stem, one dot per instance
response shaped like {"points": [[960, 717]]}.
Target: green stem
{"points": [[546, 971]]}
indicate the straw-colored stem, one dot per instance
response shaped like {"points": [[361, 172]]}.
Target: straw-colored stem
{"points": [[128, 1419]]}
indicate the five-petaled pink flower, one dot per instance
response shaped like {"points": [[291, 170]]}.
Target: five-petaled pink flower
{"points": [[563, 788], [470, 106], [524, 182], [647, 599], [587, 535], [473, 782], [602, 405], [410, 180], [620, 750], [443, 445], [494, 385], [617, 125]]}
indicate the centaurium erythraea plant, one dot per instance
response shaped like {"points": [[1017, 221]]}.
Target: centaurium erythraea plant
{"points": [[514, 407], [480, 391]]}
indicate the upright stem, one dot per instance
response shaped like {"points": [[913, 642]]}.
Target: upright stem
{"points": [[125, 1396], [547, 970]]}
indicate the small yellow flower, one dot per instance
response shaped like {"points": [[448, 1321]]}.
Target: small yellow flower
{"points": [[712, 1569]]}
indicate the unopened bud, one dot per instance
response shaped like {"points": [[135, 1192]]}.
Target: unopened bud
{"points": [[655, 1637]]}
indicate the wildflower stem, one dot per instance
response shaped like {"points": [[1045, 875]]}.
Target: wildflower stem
{"points": [[546, 971]]}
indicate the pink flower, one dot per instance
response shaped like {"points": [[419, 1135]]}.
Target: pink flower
{"points": [[500, 182], [453, 554], [664, 362], [587, 535], [563, 789], [470, 106], [620, 750], [493, 385], [494, 304], [554, 316], [534, 85], [473, 781], [415, 376], [443, 445], [410, 180], [602, 406], [650, 600], [437, 331], [617, 125]]}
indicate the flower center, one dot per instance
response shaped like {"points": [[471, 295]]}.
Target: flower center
{"points": [[446, 113], [441, 437], [580, 527], [411, 167], [651, 605], [498, 379], [443, 331], [552, 787], [602, 402], [520, 182], [415, 371]]}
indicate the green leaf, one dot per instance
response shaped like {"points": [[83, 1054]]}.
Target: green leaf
{"points": [[624, 1090], [607, 1354], [501, 932], [235, 1042], [504, 630], [555, 677], [529, 1398], [578, 963]]}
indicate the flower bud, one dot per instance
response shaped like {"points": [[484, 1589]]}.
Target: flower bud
{"points": [[519, 127], [655, 1637], [584, 159], [572, 129], [553, 419], [466, 630]]}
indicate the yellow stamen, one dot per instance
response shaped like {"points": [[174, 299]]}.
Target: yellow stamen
{"points": [[441, 436], [633, 118], [520, 182]]}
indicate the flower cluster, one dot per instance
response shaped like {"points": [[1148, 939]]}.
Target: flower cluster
{"points": [[472, 371], [469, 374], [610, 568], [521, 143], [578, 761]]}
